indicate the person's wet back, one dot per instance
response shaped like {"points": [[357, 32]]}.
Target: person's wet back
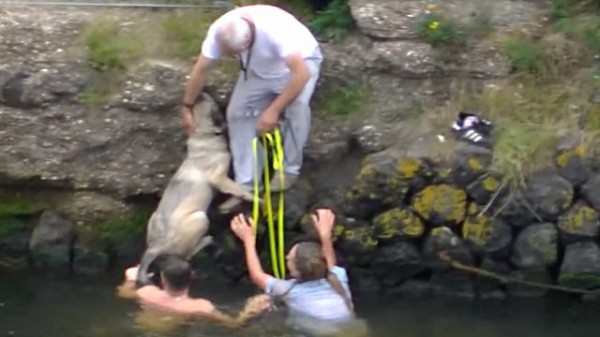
{"points": [[318, 297]]}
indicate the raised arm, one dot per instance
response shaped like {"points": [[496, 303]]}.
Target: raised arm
{"points": [[324, 221], [193, 88], [241, 227]]}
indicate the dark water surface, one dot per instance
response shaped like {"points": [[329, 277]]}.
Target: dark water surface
{"points": [[40, 306]]}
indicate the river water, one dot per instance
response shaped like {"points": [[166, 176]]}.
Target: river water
{"points": [[60, 306]]}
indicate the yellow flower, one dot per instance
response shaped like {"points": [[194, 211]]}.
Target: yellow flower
{"points": [[434, 25]]}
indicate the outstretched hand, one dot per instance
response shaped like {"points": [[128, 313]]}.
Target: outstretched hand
{"points": [[324, 221], [242, 228]]}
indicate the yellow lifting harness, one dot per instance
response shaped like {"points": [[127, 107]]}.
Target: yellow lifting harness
{"points": [[270, 141]]}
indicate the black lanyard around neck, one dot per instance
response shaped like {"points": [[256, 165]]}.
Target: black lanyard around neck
{"points": [[246, 66]]}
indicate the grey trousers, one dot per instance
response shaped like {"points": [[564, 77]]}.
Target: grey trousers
{"points": [[250, 98]]}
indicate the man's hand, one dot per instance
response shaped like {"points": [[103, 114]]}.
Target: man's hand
{"points": [[242, 228], [324, 221], [257, 304], [267, 121], [131, 273], [188, 120]]}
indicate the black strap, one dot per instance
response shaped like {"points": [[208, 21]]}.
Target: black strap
{"points": [[246, 66]]}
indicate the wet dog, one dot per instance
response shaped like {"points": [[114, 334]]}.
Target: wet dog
{"points": [[179, 224]]}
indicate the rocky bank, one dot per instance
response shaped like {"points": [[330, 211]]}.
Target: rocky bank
{"points": [[78, 183]]}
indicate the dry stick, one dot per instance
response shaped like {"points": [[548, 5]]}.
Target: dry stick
{"points": [[505, 279], [489, 204]]}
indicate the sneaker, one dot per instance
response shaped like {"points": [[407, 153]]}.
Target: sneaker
{"points": [[229, 205], [288, 181], [473, 129]]}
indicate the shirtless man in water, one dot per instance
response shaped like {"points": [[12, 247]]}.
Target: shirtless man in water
{"points": [[176, 276]]}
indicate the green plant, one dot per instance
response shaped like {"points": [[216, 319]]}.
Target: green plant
{"points": [[334, 22], [184, 31], [109, 47], [524, 55], [121, 228], [344, 100], [436, 29]]}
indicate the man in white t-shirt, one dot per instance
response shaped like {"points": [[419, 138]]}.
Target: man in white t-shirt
{"points": [[280, 61]]}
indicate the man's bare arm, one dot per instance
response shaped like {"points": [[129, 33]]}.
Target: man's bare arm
{"points": [[254, 307], [193, 88], [299, 76]]}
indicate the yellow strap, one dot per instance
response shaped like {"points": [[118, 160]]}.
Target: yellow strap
{"points": [[278, 163], [269, 209], [271, 141], [255, 208]]}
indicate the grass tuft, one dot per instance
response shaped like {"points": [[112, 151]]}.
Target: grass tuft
{"points": [[530, 118], [351, 98]]}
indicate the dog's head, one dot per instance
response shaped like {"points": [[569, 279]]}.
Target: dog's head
{"points": [[207, 117]]}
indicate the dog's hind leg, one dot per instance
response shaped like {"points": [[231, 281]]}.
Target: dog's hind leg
{"points": [[149, 256]]}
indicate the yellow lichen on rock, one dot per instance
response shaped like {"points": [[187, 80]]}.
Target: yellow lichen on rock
{"points": [[398, 222], [475, 164], [564, 156], [444, 202], [575, 219], [477, 229], [360, 236], [490, 184], [408, 167]]}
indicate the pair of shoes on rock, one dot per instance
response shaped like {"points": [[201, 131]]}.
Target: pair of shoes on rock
{"points": [[473, 129], [275, 186]]}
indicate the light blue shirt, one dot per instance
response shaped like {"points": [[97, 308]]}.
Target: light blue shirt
{"points": [[314, 299]]}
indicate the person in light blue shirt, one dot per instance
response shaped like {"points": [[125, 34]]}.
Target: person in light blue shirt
{"points": [[318, 293]]}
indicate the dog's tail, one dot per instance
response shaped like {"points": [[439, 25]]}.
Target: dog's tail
{"points": [[149, 256]]}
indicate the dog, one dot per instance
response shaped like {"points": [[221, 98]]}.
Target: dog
{"points": [[180, 223]]}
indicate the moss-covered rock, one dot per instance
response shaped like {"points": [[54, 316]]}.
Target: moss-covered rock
{"points": [[486, 188], [377, 186], [581, 222], [398, 222], [572, 160], [468, 164], [443, 239], [550, 195], [307, 226], [441, 204], [591, 191], [396, 263], [536, 246], [489, 236], [358, 243], [581, 266]]}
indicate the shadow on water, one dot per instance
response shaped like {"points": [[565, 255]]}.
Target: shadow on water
{"points": [[71, 306]]}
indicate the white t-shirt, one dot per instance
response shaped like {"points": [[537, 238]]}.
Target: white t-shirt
{"points": [[278, 34]]}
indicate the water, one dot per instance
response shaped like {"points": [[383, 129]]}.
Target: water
{"points": [[40, 306]]}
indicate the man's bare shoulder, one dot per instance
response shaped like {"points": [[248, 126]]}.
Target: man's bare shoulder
{"points": [[202, 306]]}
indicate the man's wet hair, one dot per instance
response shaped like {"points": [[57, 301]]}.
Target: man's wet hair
{"points": [[176, 271]]}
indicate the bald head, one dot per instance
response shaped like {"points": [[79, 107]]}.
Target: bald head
{"points": [[233, 34]]}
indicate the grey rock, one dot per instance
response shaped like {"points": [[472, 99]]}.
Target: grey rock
{"points": [[442, 239], [51, 240], [405, 59], [152, 87], [572, 160], [396, 263], [387, 19], [487, 236], [580, 223], [536, 246], [591, 191], [581, 266], [550, 195], [538, 275]]}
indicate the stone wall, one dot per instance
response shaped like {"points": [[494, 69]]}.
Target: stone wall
{"points": [[78, 183]]}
